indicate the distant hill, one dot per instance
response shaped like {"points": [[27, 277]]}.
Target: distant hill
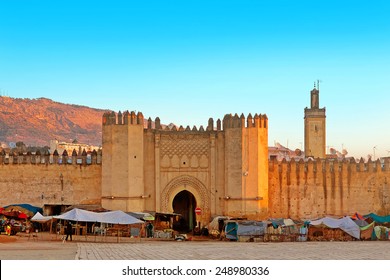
{"points": [[37, 121]]}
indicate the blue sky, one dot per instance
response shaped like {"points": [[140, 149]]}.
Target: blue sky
{"points": [[187, 61]]}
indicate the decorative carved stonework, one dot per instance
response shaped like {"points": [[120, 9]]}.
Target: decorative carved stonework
{"points": [[188, 145], [184, 151]]}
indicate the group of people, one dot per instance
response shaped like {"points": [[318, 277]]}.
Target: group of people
{"points": [[7, 225]]}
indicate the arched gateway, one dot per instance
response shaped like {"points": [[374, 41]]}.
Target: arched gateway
{"points": [[186, 190], [184, 204]]}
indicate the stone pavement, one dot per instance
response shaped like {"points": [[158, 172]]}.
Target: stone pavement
{"points": [[214, 250], [51, 248], [38, 250]]}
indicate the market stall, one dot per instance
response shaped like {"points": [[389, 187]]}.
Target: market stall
{"points": [[115, 223], [284, 230], [327, 229]]}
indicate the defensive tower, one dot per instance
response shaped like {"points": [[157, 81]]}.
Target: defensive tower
{"points": [[123, 167]]}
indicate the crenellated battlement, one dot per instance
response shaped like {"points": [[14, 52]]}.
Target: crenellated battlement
{"points": [[320, 187], [127, 118], [83, 158], [229, 121], [259, 121], [330, 165]]}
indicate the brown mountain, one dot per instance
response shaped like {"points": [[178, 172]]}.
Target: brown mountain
{"points": [[37, 121]]}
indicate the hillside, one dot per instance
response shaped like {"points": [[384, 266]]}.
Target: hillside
{"points": [[37, 121]]}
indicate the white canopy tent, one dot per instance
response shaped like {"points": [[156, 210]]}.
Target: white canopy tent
{"points": [[112, 217], [41, 219]]}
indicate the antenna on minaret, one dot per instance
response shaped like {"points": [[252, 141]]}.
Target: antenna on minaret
{"points": [[314, 85], [318, 84]]}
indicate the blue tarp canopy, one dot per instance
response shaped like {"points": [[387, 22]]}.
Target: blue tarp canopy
{"points": [[30, 208], [378, 219], [231, 228], [251, 228]]}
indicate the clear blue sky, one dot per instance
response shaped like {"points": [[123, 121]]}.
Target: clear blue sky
{"points": [[186, 61]]}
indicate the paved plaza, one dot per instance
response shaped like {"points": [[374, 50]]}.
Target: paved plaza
{"points": [[235, 251], [49, 249]]}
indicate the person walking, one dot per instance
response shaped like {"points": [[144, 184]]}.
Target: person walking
{"points": [[69, 231]]}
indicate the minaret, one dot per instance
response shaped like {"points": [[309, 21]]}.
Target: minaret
{"points": [[315, 127]]}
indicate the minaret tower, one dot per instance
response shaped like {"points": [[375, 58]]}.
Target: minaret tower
{"points": [[315, 127]]}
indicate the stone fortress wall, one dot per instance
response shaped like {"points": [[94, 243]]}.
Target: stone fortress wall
{"points": [[317, 188], [296, 189], [225, 166], [50, 180]]}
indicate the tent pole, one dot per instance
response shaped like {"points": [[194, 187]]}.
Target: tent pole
{"points": [[51, 226]]}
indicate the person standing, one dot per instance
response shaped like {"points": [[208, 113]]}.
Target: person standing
{"points": [[69, 231], [149, 230], [8, 229]]}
